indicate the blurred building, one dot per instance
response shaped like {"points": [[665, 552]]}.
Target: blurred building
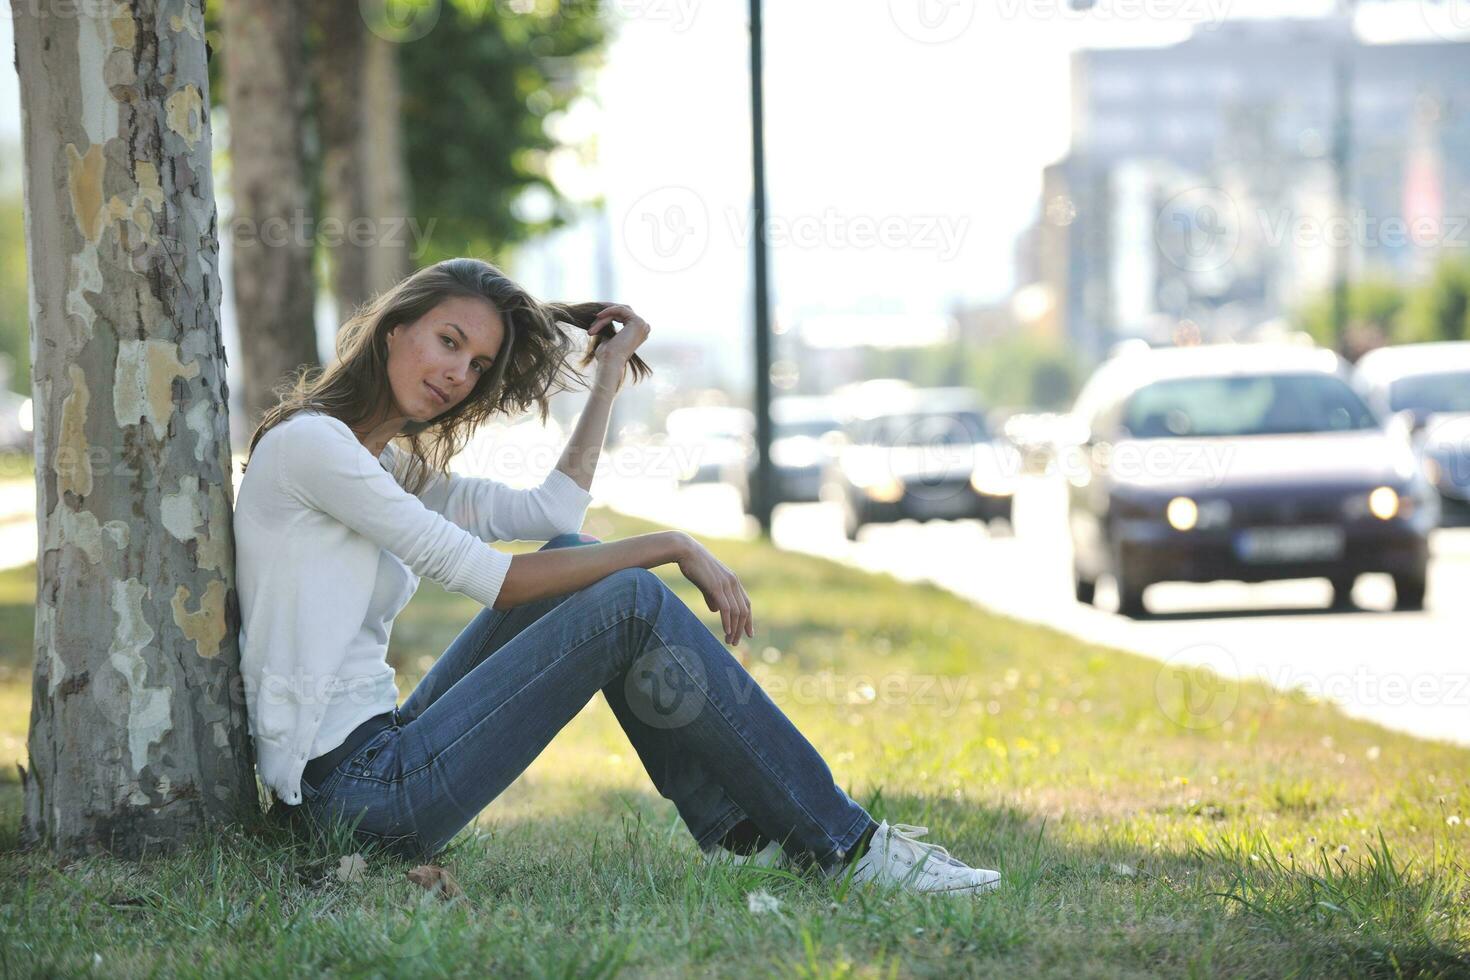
{"points": [[1201, 181]]}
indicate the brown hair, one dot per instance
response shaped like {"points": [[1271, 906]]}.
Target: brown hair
{"points": [[530, 367]]}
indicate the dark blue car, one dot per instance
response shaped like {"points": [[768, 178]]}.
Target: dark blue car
{"points": [[1241, 462]]}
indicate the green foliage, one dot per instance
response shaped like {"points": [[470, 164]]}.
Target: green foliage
{"points": [[1440, 309], [478, 90], [1016, 371], [214, 34], [1373, 304], [1386, 312]]}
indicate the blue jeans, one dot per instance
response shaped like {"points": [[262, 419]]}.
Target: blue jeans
{"points": [[709, 737]]}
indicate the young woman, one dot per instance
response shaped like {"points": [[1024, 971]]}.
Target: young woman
{"points": [[346, 503]]}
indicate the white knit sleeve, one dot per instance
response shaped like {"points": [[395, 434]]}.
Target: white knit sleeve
{"points": [[493, 511], [325, 467]]}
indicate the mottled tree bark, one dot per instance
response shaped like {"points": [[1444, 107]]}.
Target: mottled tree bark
{"points": [[138, 734], [271, 228]]}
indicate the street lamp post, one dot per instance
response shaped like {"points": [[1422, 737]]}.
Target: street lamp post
{"points": [[760, 490]]}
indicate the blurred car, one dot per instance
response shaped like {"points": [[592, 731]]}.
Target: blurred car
{"points": [[709, 442], [1248, 462], [802, 427], [1428, 385], [928, 455]]}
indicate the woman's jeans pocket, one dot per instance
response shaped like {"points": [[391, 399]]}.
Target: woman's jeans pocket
{"points": [[363, 795], [376, 758]]}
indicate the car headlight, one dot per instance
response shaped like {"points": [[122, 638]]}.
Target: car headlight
{"points": [[1187, 514], [1182, 514], [989, 483], [1383, 503], [885, 491]]}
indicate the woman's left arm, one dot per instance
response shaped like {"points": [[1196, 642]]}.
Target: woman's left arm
{"points": [[579, 459]]}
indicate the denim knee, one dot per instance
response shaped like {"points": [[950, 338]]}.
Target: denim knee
{"points": [[636, 589]]}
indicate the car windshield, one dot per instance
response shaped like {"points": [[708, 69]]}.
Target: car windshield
{"points": [[961, 428], [1426, 394], [815, 428], [1255, 405]]}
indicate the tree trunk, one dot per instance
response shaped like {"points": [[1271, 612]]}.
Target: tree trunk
{"points": [[271, 228], [138, 734], [384, 168], [338, 67]]}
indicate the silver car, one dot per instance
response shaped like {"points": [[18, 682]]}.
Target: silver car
{"points": [[1428, 387]]}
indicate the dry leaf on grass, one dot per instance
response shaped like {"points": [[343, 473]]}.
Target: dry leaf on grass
{"points": [[351, 867], [433, 878]]}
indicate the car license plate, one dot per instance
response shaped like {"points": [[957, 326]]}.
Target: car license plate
{"points": [[1280, 544]]}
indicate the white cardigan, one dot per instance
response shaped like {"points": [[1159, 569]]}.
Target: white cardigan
{"points": [[319, 523]]}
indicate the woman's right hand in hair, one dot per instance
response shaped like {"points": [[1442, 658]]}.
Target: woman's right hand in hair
{"points": [[618, 346], [721, 588]]}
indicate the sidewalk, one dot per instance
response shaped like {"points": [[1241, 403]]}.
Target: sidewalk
{"points": [[17, 522]]}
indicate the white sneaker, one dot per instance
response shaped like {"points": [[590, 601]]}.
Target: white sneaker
{"points": [[770, 856], [895, 858]]}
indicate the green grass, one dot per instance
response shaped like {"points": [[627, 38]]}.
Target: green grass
{"points": [[1280, 838]]}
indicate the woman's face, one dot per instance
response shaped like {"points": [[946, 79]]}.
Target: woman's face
{"points": [[449, 348]]}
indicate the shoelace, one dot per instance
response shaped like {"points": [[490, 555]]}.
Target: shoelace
{"points": [[907, 832]]}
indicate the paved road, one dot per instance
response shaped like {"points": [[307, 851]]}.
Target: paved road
{"points": [[1409, 671]]}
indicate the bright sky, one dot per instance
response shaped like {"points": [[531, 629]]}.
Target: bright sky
{"points": [[930, 120], [904, 146]]}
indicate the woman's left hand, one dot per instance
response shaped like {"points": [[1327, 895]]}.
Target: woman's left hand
{"points": [[617, 349]]}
